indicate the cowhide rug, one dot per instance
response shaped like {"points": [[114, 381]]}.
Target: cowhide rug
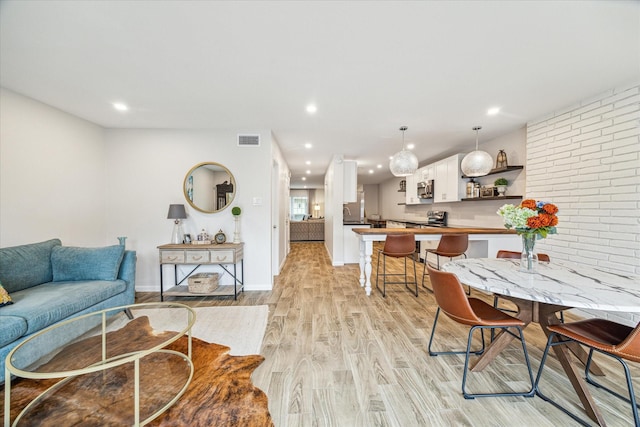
{"points": [[220, 393]]}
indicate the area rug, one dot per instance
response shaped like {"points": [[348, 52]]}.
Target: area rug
{"points": [[220, 393], [241, 328]]}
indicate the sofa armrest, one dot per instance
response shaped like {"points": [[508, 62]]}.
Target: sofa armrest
{"points": [[128, 271]]}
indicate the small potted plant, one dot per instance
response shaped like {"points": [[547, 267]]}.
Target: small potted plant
{"points": [[236, 211], [501, 185]]}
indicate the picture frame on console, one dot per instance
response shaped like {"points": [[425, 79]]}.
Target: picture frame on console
{"points": [[187, 239]]}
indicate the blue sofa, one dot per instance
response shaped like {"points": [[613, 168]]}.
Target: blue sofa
{"points": [[48, 283]]}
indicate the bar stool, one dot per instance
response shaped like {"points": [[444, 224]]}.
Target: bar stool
{"points": [[451, 246], [396, 246], [476, 313], [606, 337]]}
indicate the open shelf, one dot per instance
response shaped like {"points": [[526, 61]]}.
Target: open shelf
{"points": [[499, 170], [477, 199]]}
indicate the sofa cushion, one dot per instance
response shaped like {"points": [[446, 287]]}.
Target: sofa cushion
{"points": [[5, 298], [28, 265], [71, 263], [11, 328], [44, 305]]}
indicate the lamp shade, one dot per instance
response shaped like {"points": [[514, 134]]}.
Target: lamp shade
{"points": [[176, 212], [477, 163], [405, 163]]}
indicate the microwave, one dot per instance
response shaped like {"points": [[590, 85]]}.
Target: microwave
{"points": [[425, 189]]}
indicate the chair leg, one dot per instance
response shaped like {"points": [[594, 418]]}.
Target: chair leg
{"points": [[415, 275], [436, 353], [632, 398], [546, 398], [529, 393], [425, 273]]}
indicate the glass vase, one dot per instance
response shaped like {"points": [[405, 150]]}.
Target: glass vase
{"points": [[528, 258]]}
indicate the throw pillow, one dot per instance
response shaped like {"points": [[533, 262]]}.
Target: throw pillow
{"points": [[72, 264], [5, 298]]}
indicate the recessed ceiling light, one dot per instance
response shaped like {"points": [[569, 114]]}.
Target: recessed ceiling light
{"points": [[311, 109], [379, 166], [308, 162], [370, 170], [308, 172], [304, 178], [493, 111], [120, 106], [308, 145], [411, 146]]}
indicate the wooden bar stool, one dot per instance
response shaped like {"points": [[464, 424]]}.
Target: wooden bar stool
{"points": [[397, 246], [451, 246]]}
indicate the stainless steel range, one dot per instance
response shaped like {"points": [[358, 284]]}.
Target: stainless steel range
{"points": [[437, 219]]}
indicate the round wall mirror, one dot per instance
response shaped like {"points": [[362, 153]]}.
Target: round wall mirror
{"points": [[209, 187]]}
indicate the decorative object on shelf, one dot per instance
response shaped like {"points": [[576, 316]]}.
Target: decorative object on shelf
{"points": [[501, 160], [470, 186], [532, 220], [202, 283], [477, 163], [220, 237], [488, 191], [177, 212], [187, 239], [236, 211], [501, 185], [403, 185], [202, 238], [404, 162]]}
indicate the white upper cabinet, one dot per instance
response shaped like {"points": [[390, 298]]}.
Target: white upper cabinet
{"points": [[411, 195], [448, 183], [350, 181]]}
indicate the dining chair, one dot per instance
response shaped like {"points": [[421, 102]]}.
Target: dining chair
{"points": [[453, 301], [396, 246], [450, 246], [603, 336], [516, 255]]}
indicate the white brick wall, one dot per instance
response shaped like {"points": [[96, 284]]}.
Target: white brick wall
{"points": [[586, 160]]}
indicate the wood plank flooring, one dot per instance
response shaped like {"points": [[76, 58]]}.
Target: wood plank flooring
{"points": [[335, 357]]}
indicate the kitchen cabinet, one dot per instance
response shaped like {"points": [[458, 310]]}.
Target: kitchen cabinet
{"points": [[411, 195], [448, 184]]}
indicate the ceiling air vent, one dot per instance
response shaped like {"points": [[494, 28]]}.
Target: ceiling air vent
{"points": [[248, 140]]}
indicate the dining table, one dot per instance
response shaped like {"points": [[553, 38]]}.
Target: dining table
{"points": [[540, 295]]}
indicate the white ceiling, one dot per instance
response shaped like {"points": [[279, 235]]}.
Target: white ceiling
{"points": [[370, 67]]}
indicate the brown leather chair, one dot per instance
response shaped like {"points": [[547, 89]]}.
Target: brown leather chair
{"points": [[451, 246], [476, 313], [606, 337], [396, 246]]}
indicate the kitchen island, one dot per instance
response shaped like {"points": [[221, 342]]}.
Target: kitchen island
{"points": [[493, 238]]}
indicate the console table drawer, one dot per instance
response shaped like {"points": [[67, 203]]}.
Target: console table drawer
{"points": [[222, 257], [197, 257], [172, 257]]}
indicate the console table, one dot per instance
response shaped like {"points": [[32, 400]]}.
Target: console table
{"points": [[225, 255]]}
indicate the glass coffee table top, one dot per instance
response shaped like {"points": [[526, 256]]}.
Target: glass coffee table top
{"points": [[106, 366]]}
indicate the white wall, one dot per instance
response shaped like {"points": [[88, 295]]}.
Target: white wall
{"points": [[52, 176], [145, 174], [586, 159]]}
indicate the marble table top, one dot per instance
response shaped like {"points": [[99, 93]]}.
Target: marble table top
{"points": [[558, 283]]}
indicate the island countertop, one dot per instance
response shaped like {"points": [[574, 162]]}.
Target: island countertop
{"points": [[432, 230]]}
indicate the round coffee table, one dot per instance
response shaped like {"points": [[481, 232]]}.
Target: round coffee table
{"points": [[109, 361]]}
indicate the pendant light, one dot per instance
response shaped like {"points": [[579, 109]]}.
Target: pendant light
{"points": [[477, 163], [404, 162]]}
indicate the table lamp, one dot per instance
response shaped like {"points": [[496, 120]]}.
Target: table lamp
{"points": [[177, 212]]}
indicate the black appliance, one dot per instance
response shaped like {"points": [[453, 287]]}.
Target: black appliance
{"points": [[425, 189], [437, 218]]}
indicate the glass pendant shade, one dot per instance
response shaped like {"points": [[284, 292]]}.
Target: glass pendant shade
{"points": [[404, 162], [477, 163]]}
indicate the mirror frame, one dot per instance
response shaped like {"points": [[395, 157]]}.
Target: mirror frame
{"points": [[231, 178]]}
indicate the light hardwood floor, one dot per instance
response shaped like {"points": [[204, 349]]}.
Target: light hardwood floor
{"points": [[335, 357]]}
